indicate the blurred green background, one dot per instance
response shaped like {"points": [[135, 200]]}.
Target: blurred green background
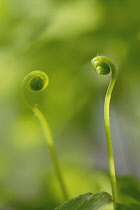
{"points": [[60, 38]]}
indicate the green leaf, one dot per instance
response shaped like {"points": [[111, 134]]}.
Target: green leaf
{"points": [[122, 207], [129, 189], [127, 207], [88, 201]]}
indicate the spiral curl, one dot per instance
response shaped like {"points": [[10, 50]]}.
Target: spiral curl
{"points": [[36, 81], [103, 65]]}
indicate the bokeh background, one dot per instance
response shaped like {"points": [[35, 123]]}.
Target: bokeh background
{"points": [[60, 38]]}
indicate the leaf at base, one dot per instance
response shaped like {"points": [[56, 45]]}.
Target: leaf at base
{"points": [[88, 201], [127, 207]]}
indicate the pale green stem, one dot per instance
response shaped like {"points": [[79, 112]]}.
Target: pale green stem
{"points": [[37, 81], [50, 143], [109, 138]]}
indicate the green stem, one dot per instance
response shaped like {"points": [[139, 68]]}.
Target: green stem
{"points": [[50, 143], [109, 138], [37, 81], [104, 66]]}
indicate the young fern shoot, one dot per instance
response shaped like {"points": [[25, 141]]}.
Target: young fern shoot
{"points": [[104, 66], [37, 81]]}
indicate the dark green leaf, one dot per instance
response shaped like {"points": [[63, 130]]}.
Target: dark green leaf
{"points": [[129, 187], [87, 201], [128, 207], [122, 207]]}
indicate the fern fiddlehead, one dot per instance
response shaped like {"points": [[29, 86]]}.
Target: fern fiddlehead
{"points": [[104, 66], [37, 81]]}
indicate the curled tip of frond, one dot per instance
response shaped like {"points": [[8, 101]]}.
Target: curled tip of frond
{"points": [[36, 81], [102, 64]]}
